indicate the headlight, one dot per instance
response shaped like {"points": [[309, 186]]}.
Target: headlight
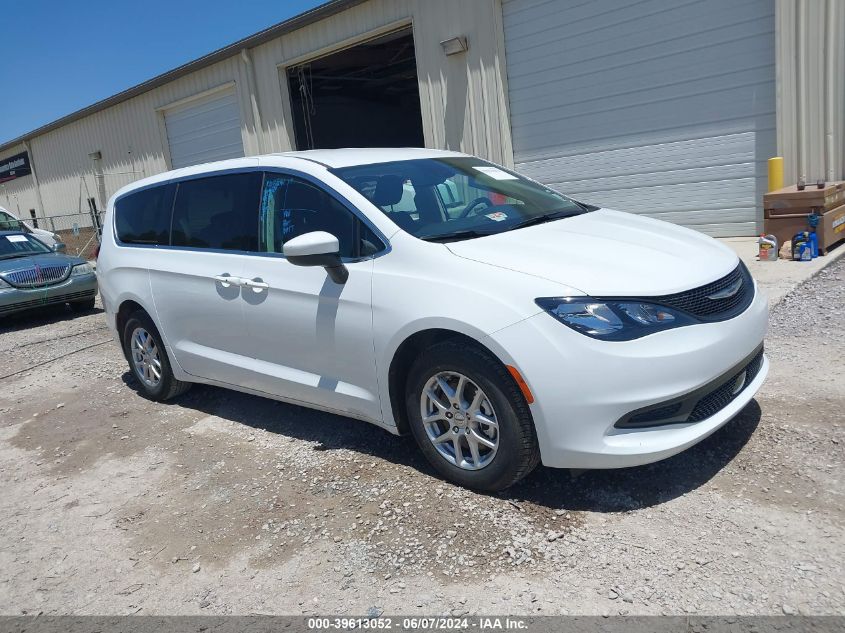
{"points": [[82, 269], [4, 285], [613, 320]]}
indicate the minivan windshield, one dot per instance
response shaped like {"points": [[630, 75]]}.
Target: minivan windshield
{"points": [[20, 245], [457, 198]]}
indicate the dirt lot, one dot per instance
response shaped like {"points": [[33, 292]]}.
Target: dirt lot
{"points": [[222, 503]]}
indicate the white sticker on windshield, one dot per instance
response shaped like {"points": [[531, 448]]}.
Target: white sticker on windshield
{"points": [[16, 238], [498, 216], [494, 172]]}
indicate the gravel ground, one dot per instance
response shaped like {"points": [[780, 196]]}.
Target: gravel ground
{"points": [[222, 503]]}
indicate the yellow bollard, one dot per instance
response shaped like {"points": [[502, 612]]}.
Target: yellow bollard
{"points": [[776, 173]]}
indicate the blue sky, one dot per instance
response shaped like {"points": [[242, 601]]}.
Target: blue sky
{"points": [[60, 55]]}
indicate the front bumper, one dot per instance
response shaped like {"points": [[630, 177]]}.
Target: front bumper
{"points": [[80, 288], [583, 388]]}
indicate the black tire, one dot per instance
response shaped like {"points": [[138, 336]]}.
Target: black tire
{"points": [[518, 452], [168, 386], [82, 306]]}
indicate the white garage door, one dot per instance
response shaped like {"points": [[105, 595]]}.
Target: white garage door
{"points": [[204, 130], [660, 108]]}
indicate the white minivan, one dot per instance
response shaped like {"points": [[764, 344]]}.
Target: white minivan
{"points": [[431, 292]]}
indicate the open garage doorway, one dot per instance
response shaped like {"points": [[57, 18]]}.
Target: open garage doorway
{"points": [[363, 96]]}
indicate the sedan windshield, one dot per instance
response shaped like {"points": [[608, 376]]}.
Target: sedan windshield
{"points": [[457, 198], [20, 245]]}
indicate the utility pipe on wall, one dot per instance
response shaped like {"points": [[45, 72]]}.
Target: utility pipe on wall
{"points": [[830, 86], [253, 98]]}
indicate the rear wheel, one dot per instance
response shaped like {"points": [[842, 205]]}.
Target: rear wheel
{"points": [[469, 417], [148, 360]]}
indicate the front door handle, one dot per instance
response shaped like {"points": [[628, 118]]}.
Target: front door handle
{"points": [[256, 284], [227, 280]]}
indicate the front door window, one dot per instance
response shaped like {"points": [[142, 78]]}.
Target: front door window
{"points": [[292, 206]]}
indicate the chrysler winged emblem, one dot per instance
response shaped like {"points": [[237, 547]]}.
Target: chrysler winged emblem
{"points": [[728, 292]]}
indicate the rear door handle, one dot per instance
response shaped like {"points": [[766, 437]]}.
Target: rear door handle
{"points": [[227, 280], [256, 284]]}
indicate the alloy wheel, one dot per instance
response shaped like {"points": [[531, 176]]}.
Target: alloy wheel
{"points": [[146, 359], [459, 420]]}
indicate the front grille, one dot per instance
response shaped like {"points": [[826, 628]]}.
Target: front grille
{"points": [[700, 404], [38, 276], [654, 416], [699, 303], [722, 396], [46, 301]]}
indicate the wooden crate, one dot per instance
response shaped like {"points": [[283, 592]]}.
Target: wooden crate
{"points": [[831, 228], [789, 200]]}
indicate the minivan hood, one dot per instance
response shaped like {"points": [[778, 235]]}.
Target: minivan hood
{"points": [[607, 253]]}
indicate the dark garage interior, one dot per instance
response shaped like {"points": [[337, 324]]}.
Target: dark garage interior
{"points": [[363, 96]]}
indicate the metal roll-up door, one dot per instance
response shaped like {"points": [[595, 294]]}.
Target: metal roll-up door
{"points": [[204, 130], [660, 108]]}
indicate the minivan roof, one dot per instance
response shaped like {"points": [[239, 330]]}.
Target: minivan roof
{"points": [[327, 158], [351, 156]]}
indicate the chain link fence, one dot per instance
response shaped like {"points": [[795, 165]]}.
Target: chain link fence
{"points": [[80, 232]]}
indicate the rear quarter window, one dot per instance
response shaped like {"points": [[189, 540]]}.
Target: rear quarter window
{"points": [[143, 217]]}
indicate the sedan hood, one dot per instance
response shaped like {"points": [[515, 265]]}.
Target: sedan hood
{"points": [[607, 253], [40, 259]]}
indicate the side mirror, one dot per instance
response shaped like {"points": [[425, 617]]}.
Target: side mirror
{"points": [[317, 248], [59, 247]]}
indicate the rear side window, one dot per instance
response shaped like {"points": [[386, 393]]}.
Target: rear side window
{"points": [[144, 217], [219, 212]]}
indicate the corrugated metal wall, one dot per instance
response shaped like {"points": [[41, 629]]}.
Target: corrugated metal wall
{"points": [[462, 100], [663, 109], [463, 97], [811, 88], [129, 135]]}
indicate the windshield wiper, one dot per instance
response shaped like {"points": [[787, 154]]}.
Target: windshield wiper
{"points": [[542, 219], [456, 235]]}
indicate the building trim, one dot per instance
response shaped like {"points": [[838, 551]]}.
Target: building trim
{"points": [[349, 42], [224, 87]]}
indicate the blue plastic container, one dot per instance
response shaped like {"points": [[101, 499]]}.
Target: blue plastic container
{"points": [[798, 242], [805, 252], [814, 244]]}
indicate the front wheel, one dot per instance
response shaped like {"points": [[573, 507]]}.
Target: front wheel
{"points": [[469, 417]]}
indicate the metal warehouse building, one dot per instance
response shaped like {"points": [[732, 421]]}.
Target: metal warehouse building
{"points": [[666, 108]]}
